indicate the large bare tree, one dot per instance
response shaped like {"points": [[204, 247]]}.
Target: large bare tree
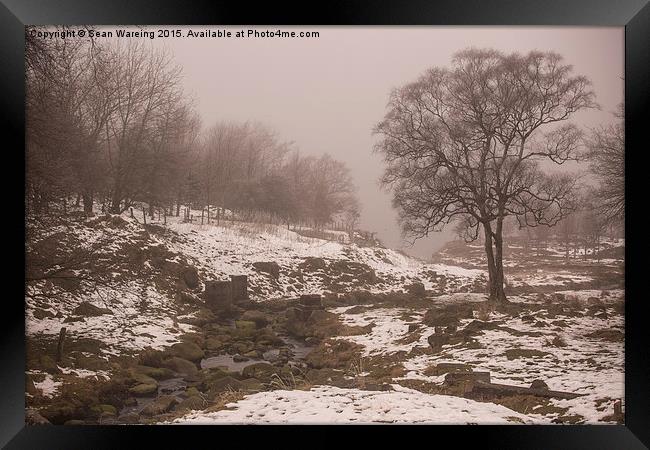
{"points": [[468, 144]]}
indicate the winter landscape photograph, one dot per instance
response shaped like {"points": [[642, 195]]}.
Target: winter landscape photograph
{"points": [[324, 225]]}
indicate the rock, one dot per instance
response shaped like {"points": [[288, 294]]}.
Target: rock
{"points": [[89, 310], [158, 373], [187, 350], [190, 277], [48, 364], [515, 353], [212, 343], [218, 295], [437, 340], [416, 289], [239, 285], [240, 358], [413, 327], [607, 335], [223, 384], [443, 368], [272, 268], [192, 403], [74, 422], [311, 264], [41, 314], [180, 366], [261, 371], [104, 410], [539, 384], [131, 418], [246, 325], [33, 417], [261, 320], [144, 390], [447, 315], [311, 300], [558, 341], [461, 377], [159, 406]]}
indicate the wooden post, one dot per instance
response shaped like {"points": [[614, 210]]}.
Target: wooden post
{"points": [[132, 216], [144, 215], [165, 216], [59, 345], [202, 212]]}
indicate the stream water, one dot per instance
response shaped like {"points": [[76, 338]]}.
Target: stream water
{"points": [[297, 351]]}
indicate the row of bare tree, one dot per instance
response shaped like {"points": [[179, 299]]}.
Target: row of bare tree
{"points": [[109, 123]]}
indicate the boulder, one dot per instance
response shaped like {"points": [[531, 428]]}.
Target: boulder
{"points": [[272, 268], [161, 405], [224, 384], [89, 310], [187, 350], [239, 284], [261, 320], [180, 366], [312, 264], [539, 384], [218, 295], [143, 390], [192, 403], [261, 371], [311, 300], [157, 373], [515, 353], [190, 277], [416, 289]]}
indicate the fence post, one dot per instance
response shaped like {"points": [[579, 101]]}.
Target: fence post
{"points": [[59, 345], [144, 215]]}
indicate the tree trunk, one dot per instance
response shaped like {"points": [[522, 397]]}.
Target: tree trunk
{"points": [[494, 254], [88, 202]]}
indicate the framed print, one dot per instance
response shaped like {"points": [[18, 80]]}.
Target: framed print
{"points": [[395, 215]]}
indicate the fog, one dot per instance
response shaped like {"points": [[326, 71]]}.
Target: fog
{"points": [[325, 94]]}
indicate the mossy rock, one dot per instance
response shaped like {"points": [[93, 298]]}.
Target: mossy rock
{"points": [[261, 371], [191, 391], [213, 343], [223, 385], [180, 365], [192, 403], [186, 350], [144, 390], [157, 373], [104, 410], [161, 405]]}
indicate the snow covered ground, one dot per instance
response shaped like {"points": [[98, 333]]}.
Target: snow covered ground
{"points": [[331, 405]]}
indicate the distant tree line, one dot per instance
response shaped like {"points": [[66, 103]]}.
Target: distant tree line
{"points": [[109, 124]]}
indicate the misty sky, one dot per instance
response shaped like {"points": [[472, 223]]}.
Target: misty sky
{"points": [[326, 93]]}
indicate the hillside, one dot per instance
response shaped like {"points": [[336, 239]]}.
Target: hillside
{"points": [[141, 346]]}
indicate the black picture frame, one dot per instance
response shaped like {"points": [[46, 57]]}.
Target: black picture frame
{"points": [[633, 14]]}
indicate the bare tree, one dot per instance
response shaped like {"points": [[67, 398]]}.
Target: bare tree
{"points": [[466, 142], [606, 152]]}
